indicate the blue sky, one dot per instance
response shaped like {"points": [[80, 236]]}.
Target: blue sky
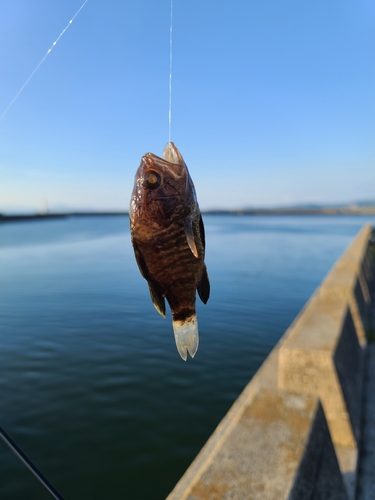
{"points": [[273, 100]]}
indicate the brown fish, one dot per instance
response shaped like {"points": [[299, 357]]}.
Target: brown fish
{"points": [[169, 243]]}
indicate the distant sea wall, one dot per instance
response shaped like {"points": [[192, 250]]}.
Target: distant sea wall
{"points": [[294, 432]]}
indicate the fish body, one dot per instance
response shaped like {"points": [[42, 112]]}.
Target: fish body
{"points": [[169, 242]]}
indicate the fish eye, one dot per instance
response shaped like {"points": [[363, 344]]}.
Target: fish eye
{"points": [[152, 180]]}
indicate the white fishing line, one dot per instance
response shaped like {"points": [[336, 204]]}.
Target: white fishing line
{"points": [[170, 72], [42, 61]]}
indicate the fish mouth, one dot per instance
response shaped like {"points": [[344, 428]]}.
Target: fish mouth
{"points": [[172, 154]]}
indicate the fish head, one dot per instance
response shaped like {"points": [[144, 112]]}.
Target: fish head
{"points": [[163, 189]]}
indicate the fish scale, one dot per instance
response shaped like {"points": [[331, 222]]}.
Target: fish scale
{"points": [[173, 264]]}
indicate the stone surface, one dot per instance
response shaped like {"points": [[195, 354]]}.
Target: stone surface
{"points": [[280, 448], [319, 476], [350, 278], [347, 284], [322, 356]]}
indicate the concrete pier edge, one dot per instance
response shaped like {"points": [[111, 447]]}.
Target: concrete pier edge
{"points": [[296, 429]]}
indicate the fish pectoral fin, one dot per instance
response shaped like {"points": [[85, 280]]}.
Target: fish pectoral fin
{"points": [[203, 287], [157, 298], [186, 336], [190, 237]]}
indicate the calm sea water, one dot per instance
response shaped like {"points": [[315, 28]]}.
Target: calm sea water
{"points": [[91, 385]]}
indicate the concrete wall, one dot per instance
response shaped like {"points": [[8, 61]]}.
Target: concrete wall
{"points": [[294, 431]]}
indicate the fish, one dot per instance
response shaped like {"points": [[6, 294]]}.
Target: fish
{"points": [[168, 238]]}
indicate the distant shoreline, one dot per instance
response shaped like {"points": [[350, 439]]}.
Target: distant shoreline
{"points": [[257, 211], [31, 217]]}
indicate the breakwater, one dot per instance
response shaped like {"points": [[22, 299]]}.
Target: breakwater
{"points": [[295, 431]]}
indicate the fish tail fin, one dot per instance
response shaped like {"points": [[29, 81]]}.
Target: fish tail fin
{"points": [[186, 336]]}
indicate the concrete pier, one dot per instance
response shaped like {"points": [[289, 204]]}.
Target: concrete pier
{"points": [[297, 430]]}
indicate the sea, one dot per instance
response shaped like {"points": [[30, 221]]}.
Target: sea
{"points": [[92, 387]]}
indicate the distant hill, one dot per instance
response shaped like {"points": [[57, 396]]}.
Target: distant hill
{"points": [[317, 206], [356, 208], [363, 203]]}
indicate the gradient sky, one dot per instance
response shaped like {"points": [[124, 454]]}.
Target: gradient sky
{"points": [[273, 100]]}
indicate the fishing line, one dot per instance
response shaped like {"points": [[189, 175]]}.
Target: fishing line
{"points": [[21, 455], [42, 61], [170, 72]]}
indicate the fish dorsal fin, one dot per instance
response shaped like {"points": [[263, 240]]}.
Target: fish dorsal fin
{"points": [[190, 237], [157, 298]]}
